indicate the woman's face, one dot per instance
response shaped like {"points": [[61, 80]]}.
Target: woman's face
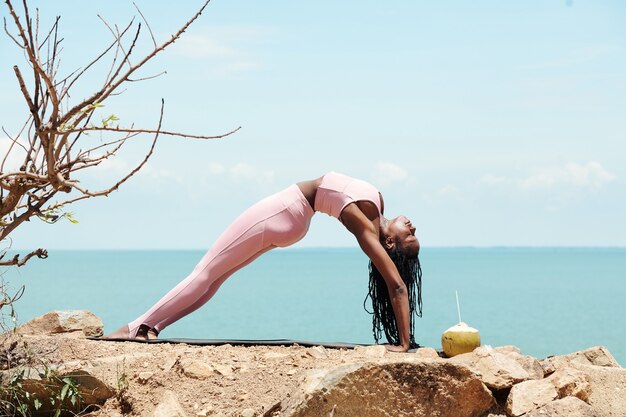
{"points": [[403, 233]]}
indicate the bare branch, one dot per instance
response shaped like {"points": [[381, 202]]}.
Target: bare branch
{"points": [[54, 129], [118, 36], [26, 94], [67, 89], [102, 94], [15, 261], [147, 24], [38, 71], [6, 30], [163, 132], [146, 78], [87, 194], [14, 142]]}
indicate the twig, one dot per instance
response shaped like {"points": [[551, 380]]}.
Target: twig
{"points": [[16, 261], [147, 24], [163, 132]]}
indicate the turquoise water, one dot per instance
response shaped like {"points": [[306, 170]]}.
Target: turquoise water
{"points": [[544, 300]]}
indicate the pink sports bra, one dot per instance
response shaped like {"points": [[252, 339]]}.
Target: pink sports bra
{"points": [[337, 191]]}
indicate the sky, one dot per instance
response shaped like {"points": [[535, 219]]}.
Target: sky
{"points": [[487, 123]]}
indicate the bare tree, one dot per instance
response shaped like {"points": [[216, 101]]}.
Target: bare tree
{"points": [[55, 138]]}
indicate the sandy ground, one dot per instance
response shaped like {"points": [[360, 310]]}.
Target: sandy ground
{"points": [[208, 380]]}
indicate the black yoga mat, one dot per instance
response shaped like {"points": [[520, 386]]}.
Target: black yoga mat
{"points": [[236, 342]]}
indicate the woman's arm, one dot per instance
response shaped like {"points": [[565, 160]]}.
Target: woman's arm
{"points": [[366, 234]]}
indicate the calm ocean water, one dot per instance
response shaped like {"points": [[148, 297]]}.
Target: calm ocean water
{"points": [[544, 300]]}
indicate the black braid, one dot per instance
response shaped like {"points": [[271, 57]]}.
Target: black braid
{"points": [[383, 317]]}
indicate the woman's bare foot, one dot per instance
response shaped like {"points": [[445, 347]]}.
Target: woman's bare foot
{"points": [[143, 333], [121, 333]]}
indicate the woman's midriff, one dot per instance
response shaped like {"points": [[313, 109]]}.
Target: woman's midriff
{"points": [[309, 189]]}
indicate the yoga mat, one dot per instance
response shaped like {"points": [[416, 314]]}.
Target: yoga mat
{"points": [[236, 342]]}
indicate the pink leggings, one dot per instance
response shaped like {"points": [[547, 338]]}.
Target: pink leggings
{"points": [[276, 221]]}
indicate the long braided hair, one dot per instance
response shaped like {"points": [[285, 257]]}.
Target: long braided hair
{"points": [[383, 318]]}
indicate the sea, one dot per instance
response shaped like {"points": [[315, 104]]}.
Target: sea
{"points": [[546, 301]]}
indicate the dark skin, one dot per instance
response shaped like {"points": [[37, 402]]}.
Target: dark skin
{"points": [[362, 219], [375, 235]]}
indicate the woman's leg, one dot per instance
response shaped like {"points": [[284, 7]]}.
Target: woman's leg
{"points": [[279, 220]]}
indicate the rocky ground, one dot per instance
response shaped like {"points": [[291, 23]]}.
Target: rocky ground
{"points": [[154, 380]]}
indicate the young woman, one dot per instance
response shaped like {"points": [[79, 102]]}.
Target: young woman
{"points": [[283, 219]]}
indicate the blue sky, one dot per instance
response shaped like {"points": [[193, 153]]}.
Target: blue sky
{"points": [[488, 123]]}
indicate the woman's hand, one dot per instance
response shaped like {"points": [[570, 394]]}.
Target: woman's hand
{"points": [[394, 348]]}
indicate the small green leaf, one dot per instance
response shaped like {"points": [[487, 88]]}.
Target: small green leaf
{"points": [[64, 391], [37, 404]]}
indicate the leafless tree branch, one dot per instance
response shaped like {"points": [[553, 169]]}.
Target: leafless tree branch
{"points": [[16, 261], [56, 135]]}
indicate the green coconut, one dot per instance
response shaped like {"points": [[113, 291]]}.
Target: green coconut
{"points": [[459, 339]]}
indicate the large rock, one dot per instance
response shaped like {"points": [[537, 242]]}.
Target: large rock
{"points": [[196, 369], [530, 364], [74, 391], [608, 389], [64, 321], [570, 382], [597, 355], [528, 395], [400, 388], [566, 407], [497, 370], [169, 407], [607, 380]]}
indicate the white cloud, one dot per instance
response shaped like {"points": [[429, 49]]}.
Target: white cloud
{"points": [[448, 190], [246, 172], [216, 168], [593, 174], [590, 175], [228, 49], [386, 173], [490, 179]]}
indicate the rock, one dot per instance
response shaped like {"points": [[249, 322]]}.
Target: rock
{"points": [[528, 395], [248, 412], [496, 370], [143, 377], [318, 352], [224, 370], [205, 412], [607, 380], [570, 382], [530, 364], [275, 355], [372, 351], [169, 407], [426, 353], [90, 391], [64, 321], [196, 369], [608, 389], [170, 363], [597, 355], [566, 407], [399, 387], [507, 349]]}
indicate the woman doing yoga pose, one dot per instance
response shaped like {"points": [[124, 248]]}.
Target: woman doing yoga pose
{"points": [[283, 219]]}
